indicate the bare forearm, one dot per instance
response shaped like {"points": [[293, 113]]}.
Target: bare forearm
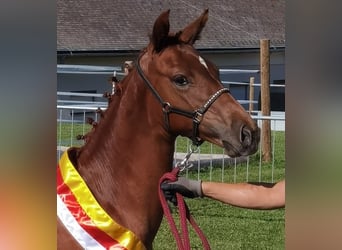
{"points": [[246, 195]]}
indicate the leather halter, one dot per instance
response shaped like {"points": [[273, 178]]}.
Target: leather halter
{"points": [[195, 115]]}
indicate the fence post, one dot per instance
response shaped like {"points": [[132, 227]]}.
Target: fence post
{"points": [[265, 98], [251, 94]]}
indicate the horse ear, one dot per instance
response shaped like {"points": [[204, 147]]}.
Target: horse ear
{"points": [[192, 32], [160, 31]]}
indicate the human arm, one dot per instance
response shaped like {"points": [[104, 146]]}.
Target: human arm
{"points": [[246, 195]]}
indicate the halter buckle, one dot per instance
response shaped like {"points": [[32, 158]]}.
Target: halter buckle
{"points": [[198, 117]]}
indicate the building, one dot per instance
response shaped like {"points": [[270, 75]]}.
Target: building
{"points": [[107, 33]]}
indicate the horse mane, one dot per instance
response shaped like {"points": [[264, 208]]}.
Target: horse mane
{"points": [[118, 89], [110, 96]]}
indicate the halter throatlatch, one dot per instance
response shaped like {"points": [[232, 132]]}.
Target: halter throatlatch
{"points": [[195, 115]]}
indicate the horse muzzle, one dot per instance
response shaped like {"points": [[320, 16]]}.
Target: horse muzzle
{"points": [[247, 144]]}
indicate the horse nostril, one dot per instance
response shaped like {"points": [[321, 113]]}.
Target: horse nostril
{"points": [[246, 136]]}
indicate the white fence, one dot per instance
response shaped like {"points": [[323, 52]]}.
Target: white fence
{"points": [[72, 115]]}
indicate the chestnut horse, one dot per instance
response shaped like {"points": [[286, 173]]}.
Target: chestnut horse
{"points": [[113, 178]]}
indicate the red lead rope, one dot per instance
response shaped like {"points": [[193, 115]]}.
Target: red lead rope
{"points": [[183, 241]]}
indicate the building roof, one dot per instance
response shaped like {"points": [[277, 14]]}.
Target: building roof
{"points": [[124, 25]]}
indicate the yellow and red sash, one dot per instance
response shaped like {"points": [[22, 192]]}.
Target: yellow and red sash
{"points": [[85, 219]]}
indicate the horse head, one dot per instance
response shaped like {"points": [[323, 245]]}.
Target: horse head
{"points": [[190, 92]]}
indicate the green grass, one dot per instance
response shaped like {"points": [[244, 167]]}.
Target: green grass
{"points": [[67, 132], [228, 227], [225, 226]]}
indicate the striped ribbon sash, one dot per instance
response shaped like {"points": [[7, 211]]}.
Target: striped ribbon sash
{"points": [[85, 219]]}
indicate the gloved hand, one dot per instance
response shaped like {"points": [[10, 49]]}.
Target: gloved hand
{"points": [[186, 187]]}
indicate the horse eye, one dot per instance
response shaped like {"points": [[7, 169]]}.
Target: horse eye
{"points": [[180, 80]]}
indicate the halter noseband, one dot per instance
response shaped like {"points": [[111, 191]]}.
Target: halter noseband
{"points": [[195, 115]]}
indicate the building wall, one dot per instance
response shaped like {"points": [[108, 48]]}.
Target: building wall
{"points": [[251, 60]]}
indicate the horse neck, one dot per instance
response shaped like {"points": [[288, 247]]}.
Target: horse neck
{"points": [[125, 157]]}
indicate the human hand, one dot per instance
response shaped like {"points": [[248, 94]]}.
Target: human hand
{"points": [[186, 187]]}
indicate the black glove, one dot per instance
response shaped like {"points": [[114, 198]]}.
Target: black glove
{"points": [[184, 186]]}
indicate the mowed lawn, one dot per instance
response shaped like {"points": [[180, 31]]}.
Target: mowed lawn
{"points": [[228, 227]]}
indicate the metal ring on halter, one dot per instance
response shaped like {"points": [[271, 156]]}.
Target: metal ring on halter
{"points": [[166, 107]]}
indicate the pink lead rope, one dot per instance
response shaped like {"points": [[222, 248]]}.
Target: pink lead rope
{"points": [[183, 241]]}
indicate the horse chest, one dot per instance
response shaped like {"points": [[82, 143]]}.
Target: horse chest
{"points": [[83, 218]]}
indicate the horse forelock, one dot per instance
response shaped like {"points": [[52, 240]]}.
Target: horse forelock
{"points": [[170, 40]]}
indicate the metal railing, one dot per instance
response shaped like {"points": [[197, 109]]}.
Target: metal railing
{"points": [[72, 121]]}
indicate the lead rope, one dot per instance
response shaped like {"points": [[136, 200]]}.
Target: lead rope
{"points": [[183, 241]]}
